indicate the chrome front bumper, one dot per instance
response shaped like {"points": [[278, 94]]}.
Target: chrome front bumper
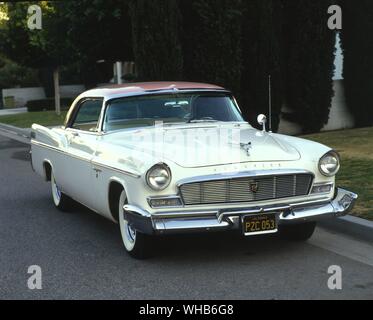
{"points": [[214, 220]]}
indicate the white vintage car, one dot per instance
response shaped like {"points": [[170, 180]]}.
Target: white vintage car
{"points": [[163, 157]]}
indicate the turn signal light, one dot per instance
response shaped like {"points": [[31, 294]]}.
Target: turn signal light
{"points": [[325, 188]]}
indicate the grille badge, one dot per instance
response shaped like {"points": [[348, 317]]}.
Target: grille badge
{"points": [[254, 187]]}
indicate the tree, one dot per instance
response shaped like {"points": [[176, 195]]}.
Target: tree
{"points": [[309, 62], [98, 30], [212, 41], [75, 33], [34, 48], [12, 75], [156, 42], [358, 63], [262, 54]]}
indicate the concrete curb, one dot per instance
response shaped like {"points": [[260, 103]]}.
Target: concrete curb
{"points": [[13, 111], [12, 132], [350, 225]]}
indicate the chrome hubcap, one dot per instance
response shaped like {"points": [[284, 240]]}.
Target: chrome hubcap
{"points": [[56, 190], [131, 233]]}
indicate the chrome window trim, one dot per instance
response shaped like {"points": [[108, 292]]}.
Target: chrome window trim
{"points": [[92, 133], [107, 100], [74, 109]]}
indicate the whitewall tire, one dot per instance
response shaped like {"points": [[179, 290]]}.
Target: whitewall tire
{"points": [[60, 200], [136, 244]]}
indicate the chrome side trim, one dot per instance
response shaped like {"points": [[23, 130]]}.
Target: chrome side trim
{"points": [[46, 146], [104, 166], [41, 144], [243, 174], [93, 163]]}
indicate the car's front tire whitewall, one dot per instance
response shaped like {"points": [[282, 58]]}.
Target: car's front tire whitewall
{"points": [[136, 244]]}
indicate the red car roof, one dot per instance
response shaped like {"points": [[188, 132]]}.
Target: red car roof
{"points": [[162, 85]]}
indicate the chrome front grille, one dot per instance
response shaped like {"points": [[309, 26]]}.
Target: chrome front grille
{"points": [[247, 189]]}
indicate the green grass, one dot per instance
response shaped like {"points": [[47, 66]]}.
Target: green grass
{"points": [[25, 120], [356, 150]]}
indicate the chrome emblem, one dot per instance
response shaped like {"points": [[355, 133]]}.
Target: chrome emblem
{"points": [[246, 147], [254, 187]]}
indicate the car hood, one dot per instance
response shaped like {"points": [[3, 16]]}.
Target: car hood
{"points": [[194, 146]]}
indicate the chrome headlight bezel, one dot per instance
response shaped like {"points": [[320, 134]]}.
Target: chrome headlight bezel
{"points": [[329, 155], [150, 177]]}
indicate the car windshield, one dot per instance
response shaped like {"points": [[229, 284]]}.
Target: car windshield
{"points": [[132, 112]]}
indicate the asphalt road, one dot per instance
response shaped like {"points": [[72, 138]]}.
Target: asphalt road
{"points": [[81, 254]]}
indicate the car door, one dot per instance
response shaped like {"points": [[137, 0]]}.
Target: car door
{"points": [[81, 137]]}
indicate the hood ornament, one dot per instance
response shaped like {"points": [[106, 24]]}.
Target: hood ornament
{"points": [[246, 147]]}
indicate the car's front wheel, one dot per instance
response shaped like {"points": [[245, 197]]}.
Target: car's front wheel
{"points": [[136, 244], [60, 200], [298, 232]]}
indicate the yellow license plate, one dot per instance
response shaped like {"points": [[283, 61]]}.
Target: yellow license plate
{"points": [[259, 224]]}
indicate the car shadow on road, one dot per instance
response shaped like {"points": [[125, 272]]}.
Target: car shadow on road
{"points": [[225, 244], [194, 246]]}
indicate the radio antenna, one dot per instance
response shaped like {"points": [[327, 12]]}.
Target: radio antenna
{"points": [[270, 102]]}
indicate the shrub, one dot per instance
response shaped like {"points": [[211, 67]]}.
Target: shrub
{"points": [[261, 46], [47, 104], [308, 50], [156, 43], [211, 38], [358, 62]]}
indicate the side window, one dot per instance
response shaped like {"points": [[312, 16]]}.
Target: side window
{"points": [[88, 115]]}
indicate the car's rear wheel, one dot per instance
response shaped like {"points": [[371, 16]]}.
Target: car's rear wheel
{"points": [[136, 243], [60, 200], [298, 232]]}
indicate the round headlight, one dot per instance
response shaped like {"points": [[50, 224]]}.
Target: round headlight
{"points": [[329, 164], [159, 177]]}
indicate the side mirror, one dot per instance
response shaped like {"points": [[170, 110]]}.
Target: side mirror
{"points": [[262, 120]]}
